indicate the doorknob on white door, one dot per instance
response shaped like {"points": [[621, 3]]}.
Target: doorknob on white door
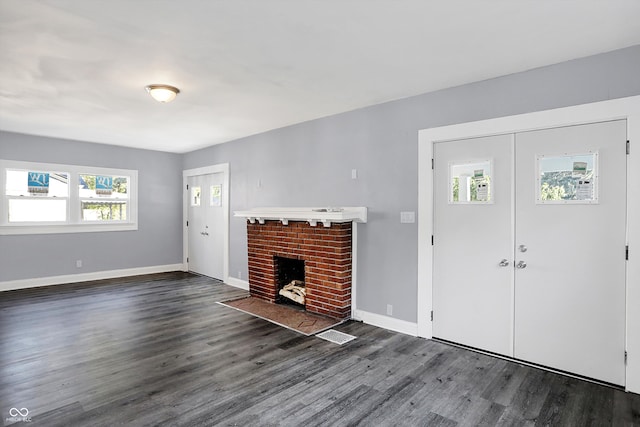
{"points": [[521, 264], [522, 248], [504, 263]]}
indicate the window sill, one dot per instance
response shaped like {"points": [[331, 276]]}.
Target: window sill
{"points": [[66, 228]]}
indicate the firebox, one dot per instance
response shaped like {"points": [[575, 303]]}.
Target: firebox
{"points": [[290, 280]]}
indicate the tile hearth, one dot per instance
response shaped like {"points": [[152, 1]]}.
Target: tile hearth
{"points": [[289, 317]]}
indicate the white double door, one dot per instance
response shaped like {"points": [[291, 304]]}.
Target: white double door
{"points": [[528, 271], [206, 225]]}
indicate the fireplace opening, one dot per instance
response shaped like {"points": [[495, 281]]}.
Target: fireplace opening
{"points": [[289, 275]]}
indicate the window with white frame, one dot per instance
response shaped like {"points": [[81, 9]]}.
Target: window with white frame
{"points": [[103, 197], [53, 198]]}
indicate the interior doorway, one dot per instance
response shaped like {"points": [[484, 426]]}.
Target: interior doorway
{"points": [[206, 221], [530, 237]]}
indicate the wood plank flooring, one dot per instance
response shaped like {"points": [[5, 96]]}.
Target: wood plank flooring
{"points": [[157, 350]]}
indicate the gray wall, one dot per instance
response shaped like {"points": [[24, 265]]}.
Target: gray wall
{"points": [[310, 164], [158, 240]]}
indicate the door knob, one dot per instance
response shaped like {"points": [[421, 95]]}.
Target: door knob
{"points": [[504, 263], [521, 264], [522, 248]]}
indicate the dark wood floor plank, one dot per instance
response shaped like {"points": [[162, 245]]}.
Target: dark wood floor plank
{"points": [[530, 397], [316, 391], [345, 409], [626, 409], [158, 350], [593, 406], [388, 409], [504, 387]]}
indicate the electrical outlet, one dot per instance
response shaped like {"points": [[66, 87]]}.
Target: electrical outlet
{"points": [[79, 263], [389, 310]]}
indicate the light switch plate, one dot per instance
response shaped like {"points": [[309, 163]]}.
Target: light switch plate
{"points": [[407, 217]]}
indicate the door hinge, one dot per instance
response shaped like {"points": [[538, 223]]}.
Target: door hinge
{"points": [[432, 240], [187, 223], [187, 186], [625, 357], [626, 253], [628, 147], [431, 164], [432, 315], [187, 259]]}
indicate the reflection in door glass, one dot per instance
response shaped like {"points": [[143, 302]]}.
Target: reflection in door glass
{"points": [[195, 196], [470, 182], [567, 178], [216, 195]]}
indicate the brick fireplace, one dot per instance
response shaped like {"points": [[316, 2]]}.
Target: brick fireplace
{"points": [[323, 240], [326, 253]]}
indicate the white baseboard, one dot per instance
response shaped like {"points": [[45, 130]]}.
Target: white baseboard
{"points": [[238, 283], [387, 322], [86, 277]]}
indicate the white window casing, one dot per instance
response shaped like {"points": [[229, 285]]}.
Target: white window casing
{"points": [[60, 210]]}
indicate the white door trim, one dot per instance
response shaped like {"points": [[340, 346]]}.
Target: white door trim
{"points": [[623, 108], [220, 168]]}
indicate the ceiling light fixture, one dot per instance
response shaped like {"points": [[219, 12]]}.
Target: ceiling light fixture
{"points": [[163, 93]]}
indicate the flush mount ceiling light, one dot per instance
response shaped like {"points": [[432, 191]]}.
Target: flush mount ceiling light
{"points": [[163, 93]]}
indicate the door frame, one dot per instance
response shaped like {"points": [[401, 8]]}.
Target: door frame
{"points": [[623, 108], [206, 170]]}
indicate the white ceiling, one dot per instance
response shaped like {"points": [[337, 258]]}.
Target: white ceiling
{"points": [[78, 69]]}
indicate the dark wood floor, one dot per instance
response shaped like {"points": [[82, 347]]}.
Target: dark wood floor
{"points": [[158, 350]]}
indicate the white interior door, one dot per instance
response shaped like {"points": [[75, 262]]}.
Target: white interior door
{"points": [[206, 225], [473, 249], [556, 214], [570, 297]]}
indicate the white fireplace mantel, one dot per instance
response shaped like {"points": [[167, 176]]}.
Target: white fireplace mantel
{"points": [[313, 216]]}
